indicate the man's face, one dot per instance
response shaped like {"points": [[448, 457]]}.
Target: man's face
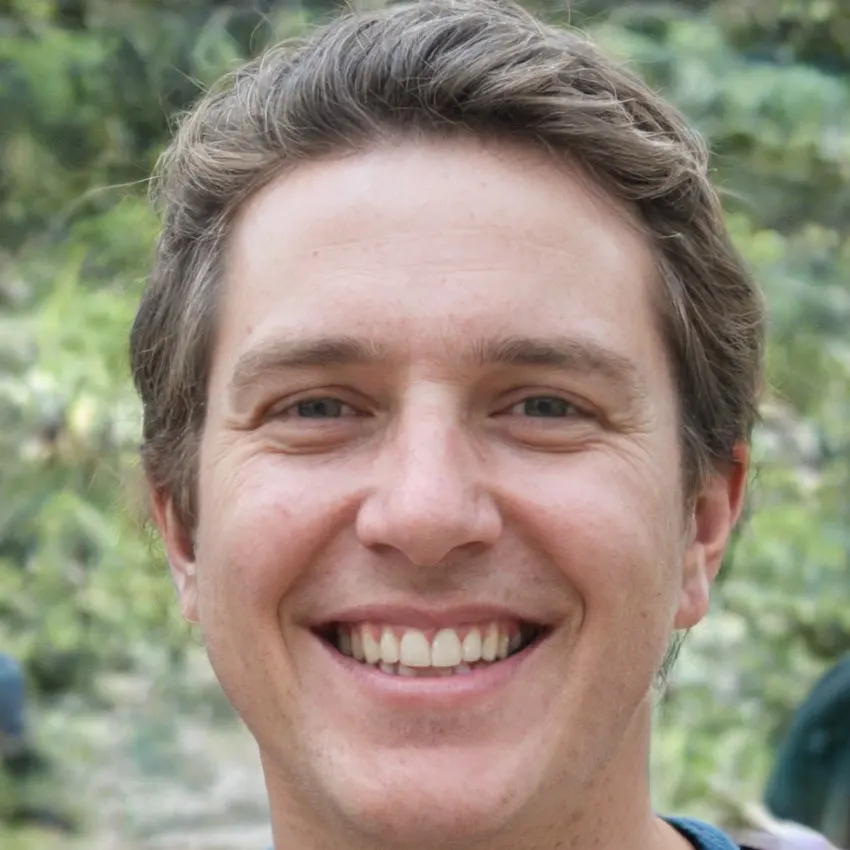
{"points": [[442, 430]]}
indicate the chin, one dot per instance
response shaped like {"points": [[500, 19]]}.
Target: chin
{"points": [[419, 816], [417, 797]]}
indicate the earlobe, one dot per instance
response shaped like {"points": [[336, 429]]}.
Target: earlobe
{"points": [[179, 550], [696, 589], [715, 514]]}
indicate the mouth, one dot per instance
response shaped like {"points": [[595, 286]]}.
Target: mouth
{"points": [[401, 650]]}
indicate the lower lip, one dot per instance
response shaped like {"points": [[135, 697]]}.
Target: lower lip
{"points": [[433, 691]]}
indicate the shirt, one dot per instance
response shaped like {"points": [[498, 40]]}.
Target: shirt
{"points": [[701, 835]]}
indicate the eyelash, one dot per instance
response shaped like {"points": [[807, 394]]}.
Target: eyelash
{"points": [[572, 409], [290, 411]]}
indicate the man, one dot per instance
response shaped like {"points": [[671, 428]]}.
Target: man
{"points": [[449, 370]]}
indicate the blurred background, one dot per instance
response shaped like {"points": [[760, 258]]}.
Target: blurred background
{"points": [[128, 742]]}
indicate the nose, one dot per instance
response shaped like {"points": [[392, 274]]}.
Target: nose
{"points": [[430, 498]]}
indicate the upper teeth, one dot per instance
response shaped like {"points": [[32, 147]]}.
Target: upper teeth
{"points": [[410, 647]]}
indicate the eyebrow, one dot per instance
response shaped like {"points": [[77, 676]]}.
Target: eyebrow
{"points": [[573, 354], [577, 355], [281, 355]]}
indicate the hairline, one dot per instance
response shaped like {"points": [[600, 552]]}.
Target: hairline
{"points": [[219, 278]]}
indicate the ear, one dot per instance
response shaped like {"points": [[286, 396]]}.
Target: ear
{"points": [[179, 550], [716, 510]]}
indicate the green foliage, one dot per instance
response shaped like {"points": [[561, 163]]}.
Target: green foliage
{"points": [[87, 91]]}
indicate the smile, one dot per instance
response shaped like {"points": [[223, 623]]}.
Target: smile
{"points": [[399, 650]]}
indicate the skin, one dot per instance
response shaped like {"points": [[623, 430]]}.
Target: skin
{"points": [[431, 481]]}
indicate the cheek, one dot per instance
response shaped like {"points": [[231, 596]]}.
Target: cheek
{"points": [[613, 529], [613, 538], [262, 526]]}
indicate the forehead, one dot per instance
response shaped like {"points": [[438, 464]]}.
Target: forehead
{"points": [[423, 247]]}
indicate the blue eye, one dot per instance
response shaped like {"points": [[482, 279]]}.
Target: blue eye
{"points": [[320, 408], [544, 407]]}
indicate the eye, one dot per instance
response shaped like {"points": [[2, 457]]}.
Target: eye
{"points": [[544, 407], [324, 407], [321, 408]]}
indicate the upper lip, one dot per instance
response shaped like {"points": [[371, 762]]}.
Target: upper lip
{"points": [[427, 618]]}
